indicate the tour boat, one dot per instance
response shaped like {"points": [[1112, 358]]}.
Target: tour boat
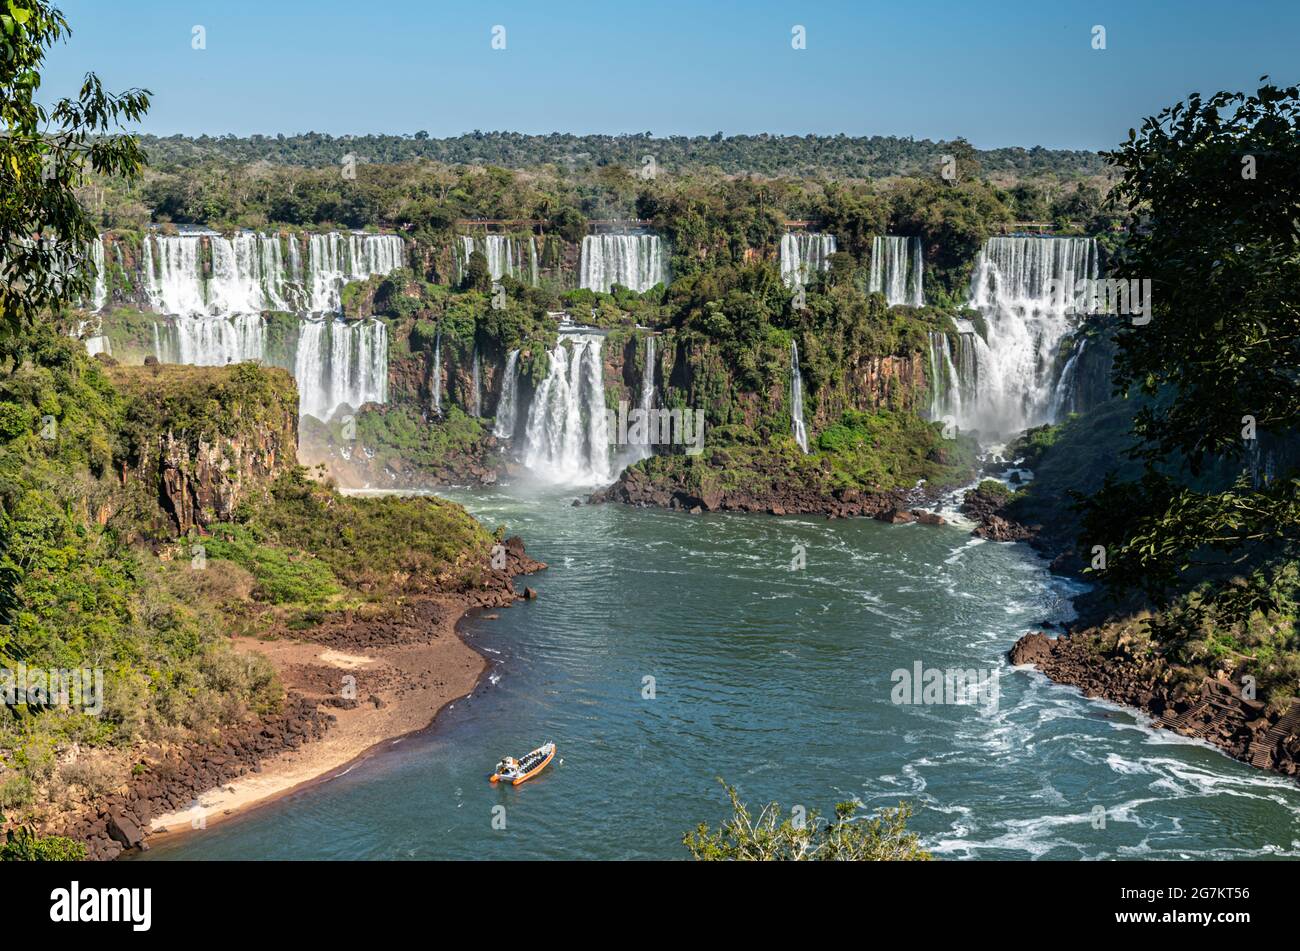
{"points": [[528, 766]]}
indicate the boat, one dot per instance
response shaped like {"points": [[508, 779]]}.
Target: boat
{"points": [[513, 771]]}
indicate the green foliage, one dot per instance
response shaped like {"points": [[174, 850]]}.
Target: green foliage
{"points": [[44, 153], [24, 845], [1218, 362], [282, 576], [771, 837]]}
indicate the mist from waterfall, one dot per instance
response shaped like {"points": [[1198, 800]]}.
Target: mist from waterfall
{"points": [[1009, 377], [507, 405], [804, 254], [635, 261], [897, 270], [566, 438], [796, 399]]}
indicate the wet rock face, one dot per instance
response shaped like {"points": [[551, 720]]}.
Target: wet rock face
{"points": [[204, 484]]}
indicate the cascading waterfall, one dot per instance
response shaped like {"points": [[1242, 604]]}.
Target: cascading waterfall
{"points": [[334, 259], [341, 364], [435, 381], [566, 435], [247, 273], [215, 288], [803, 255], [897, 270], [636, 261], [1010, 376], [99, 294], [796, 399], [211, 343], [1063, 397], [507, 406], [502, 254]]}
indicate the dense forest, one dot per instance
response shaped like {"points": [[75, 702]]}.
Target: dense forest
{"points": [[813, 156]]}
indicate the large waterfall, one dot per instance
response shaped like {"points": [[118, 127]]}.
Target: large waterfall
{"points": [[341, 364], [567, 437], [796, 399], [507, 405], [208, 274], [897, 270], [803, 255], [636, 261], [215, 287], [1008, 378]]}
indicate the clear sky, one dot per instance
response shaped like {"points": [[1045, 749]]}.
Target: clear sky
{"points": [[1000, 72]]}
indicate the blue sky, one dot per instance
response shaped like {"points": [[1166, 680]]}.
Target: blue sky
{"points": [[1000, 72]]}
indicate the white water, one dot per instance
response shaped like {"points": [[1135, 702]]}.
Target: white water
{"points": [[99, 294], [507, 406], [1009, 379], [341, 364], [566, 439], [208, 274], [897, 270], [636, 261], [211, 341], [803, 255], [796, 399], [503, 254]]}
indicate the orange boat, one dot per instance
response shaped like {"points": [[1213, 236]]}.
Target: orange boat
{"points": [[516, 771]]}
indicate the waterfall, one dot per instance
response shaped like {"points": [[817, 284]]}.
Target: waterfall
{"points": [[1063, 398], [646, 449], [502, 254], [803, 255], [435, 381], [636, 261], [334, 259], [476, 406], [1016, 287], [340, 364], [796, 399], [506, 406], [247, 273], [897, 270], [210, 341], [566, 435], [99, 294]]}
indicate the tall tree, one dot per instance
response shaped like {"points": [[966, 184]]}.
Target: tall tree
{"points": [[44, 152], [1214, 188]]}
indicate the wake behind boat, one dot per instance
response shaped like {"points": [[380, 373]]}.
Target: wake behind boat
{"points": [[516, 771]]}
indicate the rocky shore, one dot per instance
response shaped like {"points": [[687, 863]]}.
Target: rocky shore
{"points": [[352, 683], [1111, 667]]}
